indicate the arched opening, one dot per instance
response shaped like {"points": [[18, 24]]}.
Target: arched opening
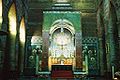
{"points": [[12, 20], [12, 36], [62, 45], [22, 36], [22, 31], [0, 13]]}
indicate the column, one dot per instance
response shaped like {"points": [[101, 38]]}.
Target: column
{"points": [[78, 38], [45, 48]]}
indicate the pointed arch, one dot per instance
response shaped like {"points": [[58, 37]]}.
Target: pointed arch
{"points": [[12, 29], [0, 13], [22, 36], [22, 30], [12, 20]]}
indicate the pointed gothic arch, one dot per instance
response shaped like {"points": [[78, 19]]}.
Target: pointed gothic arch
{"points": [[12, 30], [1, 6], [12, 19]]}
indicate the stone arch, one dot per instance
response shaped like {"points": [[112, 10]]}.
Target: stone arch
{"points": [[66, 24]]}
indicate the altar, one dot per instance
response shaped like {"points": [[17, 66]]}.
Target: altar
{"points": [[62, 39]]}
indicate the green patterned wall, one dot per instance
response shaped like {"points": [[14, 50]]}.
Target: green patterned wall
{"points": [[51, 16]]}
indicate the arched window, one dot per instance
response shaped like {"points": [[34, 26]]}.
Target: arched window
{"points": [[0, 13], [12, 25], [12, 20], [22, 30]]}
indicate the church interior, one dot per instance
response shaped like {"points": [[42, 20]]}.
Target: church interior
{"points": [[59, 39]]}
